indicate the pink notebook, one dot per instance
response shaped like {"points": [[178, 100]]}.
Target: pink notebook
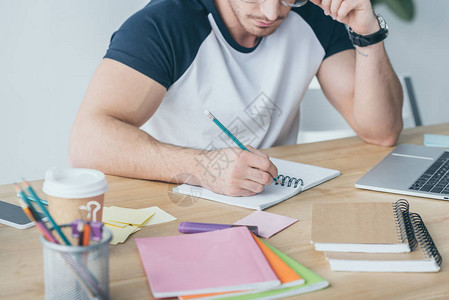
{"points": [[216, 261]]}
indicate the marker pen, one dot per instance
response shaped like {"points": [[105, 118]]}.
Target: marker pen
{"points": [[194, 227]]}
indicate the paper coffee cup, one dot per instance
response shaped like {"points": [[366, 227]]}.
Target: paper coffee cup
{"points": [[68, 189]]}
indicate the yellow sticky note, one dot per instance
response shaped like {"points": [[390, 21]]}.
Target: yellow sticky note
{"points": [[119, 235], [160, 216], [115, 224], [126, 215]]}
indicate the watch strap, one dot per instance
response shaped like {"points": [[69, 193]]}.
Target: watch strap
{"points": [[370, 39]]}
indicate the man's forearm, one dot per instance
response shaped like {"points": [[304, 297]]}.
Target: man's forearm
{"points": [[114, 147], [377, 96], [369, 94]]}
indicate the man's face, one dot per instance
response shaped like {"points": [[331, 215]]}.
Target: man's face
{"points": [[259, 19]]}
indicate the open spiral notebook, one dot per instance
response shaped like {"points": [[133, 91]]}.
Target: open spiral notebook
{"points": [[294, 177]]}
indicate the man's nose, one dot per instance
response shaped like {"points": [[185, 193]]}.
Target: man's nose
{"points": [[271, 9]]}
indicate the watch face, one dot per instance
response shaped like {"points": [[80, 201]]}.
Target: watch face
{"points": [[382, 22]]}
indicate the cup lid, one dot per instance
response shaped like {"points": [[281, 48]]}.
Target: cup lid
{"points": [[74, 183]]}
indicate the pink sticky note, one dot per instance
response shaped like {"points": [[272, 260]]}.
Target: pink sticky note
{"points": [[268, 223]]}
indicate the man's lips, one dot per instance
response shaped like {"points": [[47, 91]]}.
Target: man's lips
{"points": [[263, 23]]}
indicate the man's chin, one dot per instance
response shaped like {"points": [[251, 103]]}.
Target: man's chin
{"points": [[262, 31]]}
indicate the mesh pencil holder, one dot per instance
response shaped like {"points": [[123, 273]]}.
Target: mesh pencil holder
{"points": [[77, 272]]}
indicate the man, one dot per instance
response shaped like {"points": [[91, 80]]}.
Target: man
{"points": [[249, 62]]}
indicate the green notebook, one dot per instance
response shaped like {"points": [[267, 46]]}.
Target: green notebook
{"points": [[313, 282]]}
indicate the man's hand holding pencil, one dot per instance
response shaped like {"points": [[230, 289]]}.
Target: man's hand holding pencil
{"points": [[246, 173], [242, 171]]}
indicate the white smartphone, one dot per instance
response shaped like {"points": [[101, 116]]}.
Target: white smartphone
{"points": [[14, 216]]}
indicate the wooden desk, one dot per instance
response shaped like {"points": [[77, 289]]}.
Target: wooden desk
{"points": [[21, 262]]}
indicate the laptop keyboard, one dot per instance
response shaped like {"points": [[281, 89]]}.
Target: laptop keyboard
{"points": [[436, 178]]}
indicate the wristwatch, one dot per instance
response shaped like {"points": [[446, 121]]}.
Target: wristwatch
{"points": [[370, 39]]}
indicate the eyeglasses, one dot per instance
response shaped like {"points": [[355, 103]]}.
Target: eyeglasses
{"points": [[288, 3]]}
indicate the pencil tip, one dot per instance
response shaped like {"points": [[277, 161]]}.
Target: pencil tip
{"points": [[209, 114], [17, 187]]}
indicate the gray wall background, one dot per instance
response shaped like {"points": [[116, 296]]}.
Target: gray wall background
{"points": [[50, 49], [421, 49]]}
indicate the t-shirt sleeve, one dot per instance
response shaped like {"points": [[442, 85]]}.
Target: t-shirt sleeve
{"points": [[339, 40], [139, 44], [161, 40]]}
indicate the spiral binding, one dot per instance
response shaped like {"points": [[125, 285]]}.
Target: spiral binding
{"points": [[287, 180], [404, 224], [424, 238]]}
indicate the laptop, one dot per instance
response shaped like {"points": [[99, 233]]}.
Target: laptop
{"points": [[411, 170]]}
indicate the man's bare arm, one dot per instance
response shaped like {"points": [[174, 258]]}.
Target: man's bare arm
{"points": [[106, 136], [363, 86]]}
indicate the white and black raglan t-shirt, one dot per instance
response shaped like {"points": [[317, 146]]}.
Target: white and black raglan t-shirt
{"points": [[255, 92]]}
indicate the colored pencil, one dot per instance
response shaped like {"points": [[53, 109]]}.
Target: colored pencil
{"points": [[39, 224], [81, 233], [44, 202], [88, 281], [229, 134], [86, 234], [26, 201], [45, 211]]}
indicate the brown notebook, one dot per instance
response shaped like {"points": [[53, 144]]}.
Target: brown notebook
{"points": [[425, 258], [370, 227]]}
